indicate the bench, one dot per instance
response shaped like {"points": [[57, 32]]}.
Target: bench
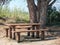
{"points": [[7, 30], [13, 29], [22, 31], [23, 27], [12, 26]]}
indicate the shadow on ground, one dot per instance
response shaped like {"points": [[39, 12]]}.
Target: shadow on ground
{"points": [[30, 39]]}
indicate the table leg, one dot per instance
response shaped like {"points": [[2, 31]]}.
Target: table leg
{"points": [[42, 35], [33, 28], [10, 32], [7, 32], [14, 37], [28, 34], [37, 33], [18, 35]]}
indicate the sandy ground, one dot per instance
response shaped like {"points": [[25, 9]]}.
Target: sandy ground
{"points": [[6, 41]]}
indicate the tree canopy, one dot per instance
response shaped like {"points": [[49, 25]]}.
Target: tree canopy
{"points": [[2, 2]]}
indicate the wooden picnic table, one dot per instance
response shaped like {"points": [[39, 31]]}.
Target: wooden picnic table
{"points": [[12, 27]]}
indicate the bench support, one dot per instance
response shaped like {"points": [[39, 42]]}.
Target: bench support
{"points": [[37, 34], [14, 37], [33, 27], [7, 32], [28, 34], [10, 32], [18, 35], [42, 35]]}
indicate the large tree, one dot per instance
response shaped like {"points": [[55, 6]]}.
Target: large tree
{"points": [[38, 13], [43, 10]]}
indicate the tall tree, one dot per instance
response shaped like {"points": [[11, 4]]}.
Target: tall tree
{"points": [[44, 7], [32, 12], [45, 4], [38, 12]]}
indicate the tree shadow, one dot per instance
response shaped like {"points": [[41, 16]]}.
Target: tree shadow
{"points": [[30, 39]]}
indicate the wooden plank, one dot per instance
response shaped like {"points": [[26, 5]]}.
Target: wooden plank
{"points": [[6, 29], [7, 32], [29, 30], [42, 35], [18, 35], [23, 27], [22, 24]]}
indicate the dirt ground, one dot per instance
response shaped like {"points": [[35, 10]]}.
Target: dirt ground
{"points": [[6, 41]]}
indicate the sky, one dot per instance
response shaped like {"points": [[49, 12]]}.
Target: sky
{"points": [[19, 4], [23, 4]]}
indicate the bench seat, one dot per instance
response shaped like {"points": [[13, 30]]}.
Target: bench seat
{"points": [[23, 27], [25, 30]]}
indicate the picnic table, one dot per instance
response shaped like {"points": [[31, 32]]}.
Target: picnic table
{"points": [[30, 28], [12, 27]]}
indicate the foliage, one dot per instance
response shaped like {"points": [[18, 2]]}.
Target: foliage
{"points": [[53, 16], [15, 14], [2, 2]]}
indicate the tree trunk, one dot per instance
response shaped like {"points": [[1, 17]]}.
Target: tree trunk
{"points": [[38, 10], [32, 12], [38, 13], [43, 14]]}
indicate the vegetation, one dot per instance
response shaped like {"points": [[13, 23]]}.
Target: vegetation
{"points": [[15, 14], [53, 16], [21, 16]]}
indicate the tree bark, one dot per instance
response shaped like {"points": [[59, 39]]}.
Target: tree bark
{"points": [[43, 13], [32, 12], [38, 10], [38, 14]]}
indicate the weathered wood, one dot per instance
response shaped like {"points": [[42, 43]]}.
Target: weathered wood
{"points": [[18, 34], [10, 32], [37, 33], [23, 27], [42, 35], [33, 28], [6, 31], [22, 24], [14, 37], [22, 30], [28, 34]]}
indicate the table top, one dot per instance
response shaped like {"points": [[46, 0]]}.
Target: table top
{"points": [[24, 30], [22, 24]]}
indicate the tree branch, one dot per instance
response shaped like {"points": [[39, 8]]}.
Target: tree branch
{"points": [[52, 2], [4, 1], [48, 1]]}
